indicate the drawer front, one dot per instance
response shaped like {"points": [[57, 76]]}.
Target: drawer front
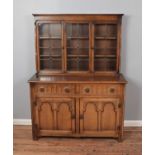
{"points": [[54, 89], [100, 89]]}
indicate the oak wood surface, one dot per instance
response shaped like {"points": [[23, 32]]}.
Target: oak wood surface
{"points": [[54, 115], [68, 78], [77, 90], [77, 110], [98, 33], [24, 145]]}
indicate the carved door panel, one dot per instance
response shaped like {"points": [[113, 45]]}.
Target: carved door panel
{"points": [[55, 116], [99, 116]]}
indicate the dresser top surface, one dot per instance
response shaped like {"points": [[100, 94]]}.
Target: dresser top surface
{"points": [[86, 14], [77, 79]]}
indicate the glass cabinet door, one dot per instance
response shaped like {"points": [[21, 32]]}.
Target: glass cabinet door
{"points": [[77, 35], [105, 47], [50, 46]]}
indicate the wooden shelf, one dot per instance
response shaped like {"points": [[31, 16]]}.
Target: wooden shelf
{"points": [[105, 48], [50, 38], [50, 55], [78, 55], [79, 59], [52, 58], [78, 48], [51, 47], [105, 38], [105, 56], [77, 37]]}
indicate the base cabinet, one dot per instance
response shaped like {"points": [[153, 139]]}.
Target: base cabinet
{"points": [[71, 110]]}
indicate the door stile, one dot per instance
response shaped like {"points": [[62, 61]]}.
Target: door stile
{"points": [[99, 120], [62, 46], [81, 117], [92, 46], [37, 47], [77, 111], [65, 47]]}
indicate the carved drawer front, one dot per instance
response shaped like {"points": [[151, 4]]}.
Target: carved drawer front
{"points": [[100, 89], [55, 89]]}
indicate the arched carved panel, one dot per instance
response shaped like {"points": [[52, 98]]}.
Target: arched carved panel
{"points": [[70, 106], [113, 104], [90, 116], [55, 114], [108, 116], [98, 114], [88, 103], [64, 113], [45, 116]]}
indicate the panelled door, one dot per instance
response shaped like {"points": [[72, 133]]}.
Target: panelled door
{"points": [[105, 44], [50, 46], [99, 117], [77, 46], [55, 116]]}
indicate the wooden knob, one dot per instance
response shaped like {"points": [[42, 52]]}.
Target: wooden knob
{"points": [[112, 90], [67, 89], [119, 105], [42, 89], [87, 90]]}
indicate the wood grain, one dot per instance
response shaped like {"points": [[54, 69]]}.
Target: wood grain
{"points": [[24, 145], [61, 40], [77, 90]]}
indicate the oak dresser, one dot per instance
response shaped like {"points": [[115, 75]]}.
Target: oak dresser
{"points": [[77, 90]]}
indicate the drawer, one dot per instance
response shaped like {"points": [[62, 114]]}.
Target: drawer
{"points": [[54, 89], [100, 89]]}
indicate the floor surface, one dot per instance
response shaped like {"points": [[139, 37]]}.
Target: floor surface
{"points": [[24, 145]]}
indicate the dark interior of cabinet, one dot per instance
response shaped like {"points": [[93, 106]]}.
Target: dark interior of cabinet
{"points": [[105, 45], [77, 38], [77, 46], [50, 44]]}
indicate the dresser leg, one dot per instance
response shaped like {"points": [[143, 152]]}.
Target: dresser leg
{"points": [[35, 137], [34, 132], [120, 138]]}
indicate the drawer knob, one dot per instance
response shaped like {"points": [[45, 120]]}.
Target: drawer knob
{"points": [[87, 90], [42, 89], [112, 90], [119, 105], [67, 89]]}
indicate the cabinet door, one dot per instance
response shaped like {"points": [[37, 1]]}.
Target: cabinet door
{"points": [[99, 117], [77, 46], [50, 46], [105, 47], [55, 116]]}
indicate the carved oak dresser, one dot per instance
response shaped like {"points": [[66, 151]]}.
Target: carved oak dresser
{"points": [[77, 90]]}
